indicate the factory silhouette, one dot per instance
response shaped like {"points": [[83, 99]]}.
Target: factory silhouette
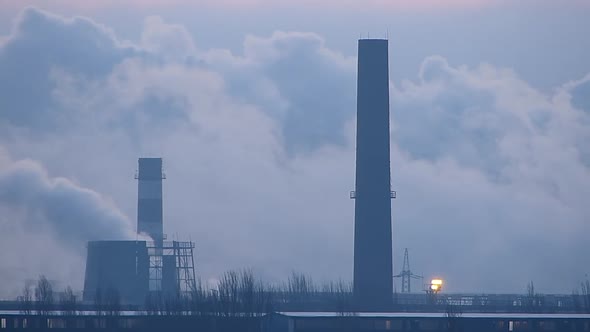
{"points": [[150, 284], [136, 268]]}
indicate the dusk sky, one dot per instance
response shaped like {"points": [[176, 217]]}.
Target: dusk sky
{"points": [[252, 103]]}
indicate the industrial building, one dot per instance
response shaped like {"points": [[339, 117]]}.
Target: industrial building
{"points": [[373, 265], [305, 322], [133, 270], [137, 269], [121, 266]]}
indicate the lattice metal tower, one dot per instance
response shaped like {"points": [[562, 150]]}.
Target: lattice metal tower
{"points": [[407, 274], [178, 276], [185, 263]]}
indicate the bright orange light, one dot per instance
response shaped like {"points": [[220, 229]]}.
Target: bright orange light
{"points": [[436, 285]]}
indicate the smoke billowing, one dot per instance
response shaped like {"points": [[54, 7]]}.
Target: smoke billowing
{"points": [[74, 214], [492, 175], [46, 222]]}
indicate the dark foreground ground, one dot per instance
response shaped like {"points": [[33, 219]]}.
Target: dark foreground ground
{"points": [[302, 322]]}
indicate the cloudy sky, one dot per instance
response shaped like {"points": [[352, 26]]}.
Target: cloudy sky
{"points": [[251, 103]]}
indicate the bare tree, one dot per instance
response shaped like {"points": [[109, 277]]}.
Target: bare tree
{"points": [[533, 301], [214, 302], [338, 295], [197, 299], [44, 296], [26, 299], [239, 293], [228, 294], [247, 293], [585, 287], [300, 288], [344, 301], [581, 297], [530, 289], [301, 284], [264, 298], [255, 296], [67, 302]]}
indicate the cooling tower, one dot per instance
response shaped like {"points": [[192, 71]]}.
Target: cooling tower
{"points": [[373, 271], [122, 266]]}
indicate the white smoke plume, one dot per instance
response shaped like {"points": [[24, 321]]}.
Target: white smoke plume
{"points": [[50, 219], [258, 147]]}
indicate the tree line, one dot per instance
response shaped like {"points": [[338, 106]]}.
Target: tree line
{"points": [[242, 294], [237, 294]]}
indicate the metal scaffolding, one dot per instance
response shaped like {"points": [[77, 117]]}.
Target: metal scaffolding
{"points": [[183, 253], [185, 264]]}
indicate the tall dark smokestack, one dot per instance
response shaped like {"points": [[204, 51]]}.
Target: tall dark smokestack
{"points": [[373, 271], [149, 199]]}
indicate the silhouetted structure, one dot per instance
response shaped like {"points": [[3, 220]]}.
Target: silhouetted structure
{"points": [[373, 270], [140, 270], [431, 322], [406, 275], [150, 216], [119, 266], [301, 322], [169, 276], [172, 268]]}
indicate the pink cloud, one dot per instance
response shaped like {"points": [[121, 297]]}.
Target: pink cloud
{"points": [[240, 4], [89, 6]]}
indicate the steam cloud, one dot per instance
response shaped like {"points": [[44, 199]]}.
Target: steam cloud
{"points": [[46, 222], [74, 214], [259, 152]]}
